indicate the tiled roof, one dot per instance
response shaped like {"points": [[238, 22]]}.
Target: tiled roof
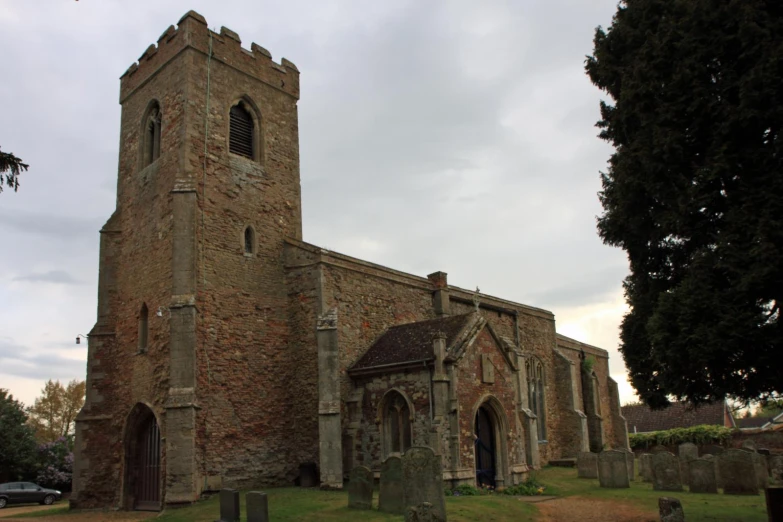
{"points": [[752, 422], [678, 415], [412, 342]]}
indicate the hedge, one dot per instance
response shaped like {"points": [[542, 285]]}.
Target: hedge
{"points": [[704, 434]]}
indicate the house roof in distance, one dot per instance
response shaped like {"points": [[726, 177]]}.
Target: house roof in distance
{"points": [[642, 419]]}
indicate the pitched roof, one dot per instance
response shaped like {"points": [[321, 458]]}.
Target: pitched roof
{"points": [[752, 422], [642, 419], [412, 342]]}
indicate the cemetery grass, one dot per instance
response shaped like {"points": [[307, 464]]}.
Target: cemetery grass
{"points": [[562, 482]]}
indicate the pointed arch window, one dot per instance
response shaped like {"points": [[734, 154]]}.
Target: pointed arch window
{"points": [[242, 132], [151, 135], [396, 424], [143, 327], [536, 393], [249, 240]]}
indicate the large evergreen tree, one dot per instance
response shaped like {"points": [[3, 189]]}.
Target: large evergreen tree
{"points": [[694, 192], [17, 443]]}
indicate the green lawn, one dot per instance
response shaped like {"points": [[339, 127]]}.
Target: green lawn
{"points": [[287, 504]]}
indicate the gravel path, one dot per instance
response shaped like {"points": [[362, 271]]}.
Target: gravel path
{"points": [[591, 510]]}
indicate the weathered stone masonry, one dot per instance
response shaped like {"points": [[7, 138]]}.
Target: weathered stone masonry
{"points": [[246, 358]]}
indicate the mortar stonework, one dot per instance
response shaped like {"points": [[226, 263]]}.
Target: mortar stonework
{"points": [[246, 366]]}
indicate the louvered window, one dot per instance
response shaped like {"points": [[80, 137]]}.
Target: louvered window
{"points": [[241, 132]]}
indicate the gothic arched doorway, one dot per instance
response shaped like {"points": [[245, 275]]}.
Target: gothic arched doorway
{"points": [[485, 448], [142, 460]]}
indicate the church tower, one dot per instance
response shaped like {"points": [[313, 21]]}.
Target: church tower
{"points": [[188, 361]]}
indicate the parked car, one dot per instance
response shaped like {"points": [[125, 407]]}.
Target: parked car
{"points": [[27, 493]]}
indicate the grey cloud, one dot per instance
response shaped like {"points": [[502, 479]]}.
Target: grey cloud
{"points": [[51, 226], [20, 361], [52, 276]]}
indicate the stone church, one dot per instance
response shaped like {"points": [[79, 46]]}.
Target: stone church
{"points": [[228, 352]]}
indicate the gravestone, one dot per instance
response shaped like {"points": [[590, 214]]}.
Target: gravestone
{"points": [[424, 512], [774, 497], [666, 472], [737, 473], [629, 461], [422, 480], [762, 471], [670, 510], [702, 476], [776, 467], [613, 469], [687, 451], [390, 499], [360, 486], [645, 467], [257, 506], [308, 475], [229, 505], [749, 444], [587, 465]]}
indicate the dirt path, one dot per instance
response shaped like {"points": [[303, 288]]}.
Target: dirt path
{"points": [[591, 510], [10, 513], [12, 510]]}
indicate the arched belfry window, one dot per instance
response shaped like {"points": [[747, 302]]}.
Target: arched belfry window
{"points": [[396, 423], [151, 135], [242, 131], [249, 240], [143, 327], [536, 393]]}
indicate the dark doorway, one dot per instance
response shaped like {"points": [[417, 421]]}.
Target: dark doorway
{"points": [[485, 448], [144, 462]]}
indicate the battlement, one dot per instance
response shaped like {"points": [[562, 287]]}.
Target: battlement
{"points": [[192, 32]]}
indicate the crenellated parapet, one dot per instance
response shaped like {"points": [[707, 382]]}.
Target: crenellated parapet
{"points": [[193, 33]]}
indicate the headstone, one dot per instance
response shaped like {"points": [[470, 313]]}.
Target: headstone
{"points": [[629, 462], [360, 486], [257, 506], [422, 480], [670, 510], [424, 512], [613, 469], [587, 465], [748, 444], [776, 468], [308, 475], [687, 451], [702, 476], [737, 473], [762, 472], [229, 505], [666, 472], [645, 467], [390, 499], [712, 449], [774, 495]]}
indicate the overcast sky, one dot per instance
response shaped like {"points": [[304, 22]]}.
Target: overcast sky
{"points": [[455, 136]]}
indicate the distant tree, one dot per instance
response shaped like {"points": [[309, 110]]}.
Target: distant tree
{"points": [[694, 193], [53, 414], [17, 442], [10, 168]]}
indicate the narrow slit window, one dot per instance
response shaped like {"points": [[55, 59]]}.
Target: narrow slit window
{"points": [[241, 132], [143, 327], [250, 239]]}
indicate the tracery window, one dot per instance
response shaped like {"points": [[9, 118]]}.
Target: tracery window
{"points": [[536, 393], [151, 135], [396, 423]]}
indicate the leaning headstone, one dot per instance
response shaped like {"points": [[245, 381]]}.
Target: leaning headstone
{"points": [[666, 472], [774, 496], [390, 499], [422, 480], [776, 468], [424, 512], [360, 486], [587, 465], [702, 475], [670, 510], [687, 451], [257, 506], [229, 505], [645, 467], [613, 469], [737, 473]]}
